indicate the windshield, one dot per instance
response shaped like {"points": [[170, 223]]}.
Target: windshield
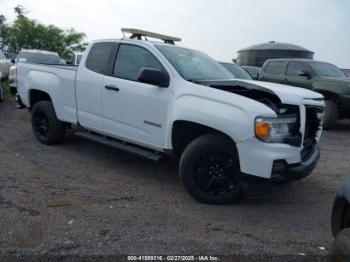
{"points": [[1, 55], [193, 65], [324, 69], [38, 58], [237, 71]]}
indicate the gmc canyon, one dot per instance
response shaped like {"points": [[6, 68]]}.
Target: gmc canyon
{"points": [[156, 99]]}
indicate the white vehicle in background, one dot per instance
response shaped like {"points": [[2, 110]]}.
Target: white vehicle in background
{"points": [[156, 99], [5, 65], [77, 58]]}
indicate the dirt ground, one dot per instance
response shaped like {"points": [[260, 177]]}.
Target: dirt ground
{"points": [[82, 198]]}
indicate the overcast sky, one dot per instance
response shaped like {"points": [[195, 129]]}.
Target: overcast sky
{"points": [[218, 27]]}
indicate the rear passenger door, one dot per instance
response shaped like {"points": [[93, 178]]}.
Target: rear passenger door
{"points": [[292, 75], [135, 111], [274, 72], [89, 83]]}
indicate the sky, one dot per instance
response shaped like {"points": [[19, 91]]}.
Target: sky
{"points": [[217, 27]]}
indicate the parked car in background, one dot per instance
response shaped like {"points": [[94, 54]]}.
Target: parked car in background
{"points": [[321, 77], [11, 55], [156, 99], [38, 57], [12, 80], [346, 72], [77, 58], [237, 71], [5, 65], [340, 249], [253, 71]]}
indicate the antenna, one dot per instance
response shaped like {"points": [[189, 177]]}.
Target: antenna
{"points": [[138, 34]]}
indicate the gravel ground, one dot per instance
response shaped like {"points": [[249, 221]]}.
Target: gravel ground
{"points": [[82, 198]]}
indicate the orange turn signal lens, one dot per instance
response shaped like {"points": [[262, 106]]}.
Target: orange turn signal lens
{"points": [[262, 129]]}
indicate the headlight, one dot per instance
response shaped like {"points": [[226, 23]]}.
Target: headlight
{"points": [[278, 130]]}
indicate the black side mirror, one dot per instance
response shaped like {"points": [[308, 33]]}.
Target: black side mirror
{"points": [[154, 76], [13, 61], [306, 74]]}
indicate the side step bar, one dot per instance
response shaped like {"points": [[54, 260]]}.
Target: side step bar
{"points": [[149, 155]]}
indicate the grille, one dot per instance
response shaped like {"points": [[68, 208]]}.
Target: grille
{"points": [[313, 124]]}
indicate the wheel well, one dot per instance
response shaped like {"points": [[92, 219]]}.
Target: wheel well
{"points": [[37, 96], [328, 95], [184, 132]]}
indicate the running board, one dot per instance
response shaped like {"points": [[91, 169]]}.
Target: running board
{"points": [[153, 156]]}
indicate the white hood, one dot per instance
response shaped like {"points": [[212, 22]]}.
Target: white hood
{"points": [[287, 94]]}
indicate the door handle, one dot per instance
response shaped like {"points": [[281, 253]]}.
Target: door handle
{"points": [[112, 88]]}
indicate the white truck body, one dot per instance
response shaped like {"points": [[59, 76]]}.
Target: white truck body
{"points": [[145, 114]]}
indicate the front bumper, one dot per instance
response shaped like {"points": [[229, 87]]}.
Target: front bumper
{"points": [[297, 171], [283, 172]]}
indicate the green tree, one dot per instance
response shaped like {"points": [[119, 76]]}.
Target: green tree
{"points": [[4, 30], [31, 34]]}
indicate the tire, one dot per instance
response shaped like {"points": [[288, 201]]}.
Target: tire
{"points": [[340, 248], [330, 115], [46, 127], [209, 170]]}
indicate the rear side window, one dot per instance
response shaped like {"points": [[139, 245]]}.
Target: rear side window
{"points": [[275, 67], [131, 59], [294, 68], [98, 57]]}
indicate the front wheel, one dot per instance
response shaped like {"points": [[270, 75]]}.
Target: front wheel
{"points": [[210, 171], [46, 127]]}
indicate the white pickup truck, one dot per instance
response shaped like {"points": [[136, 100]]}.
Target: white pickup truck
{"points": [[156, 99]]}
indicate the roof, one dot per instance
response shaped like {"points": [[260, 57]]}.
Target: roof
{"points": [[297, 60], [272, 45]]}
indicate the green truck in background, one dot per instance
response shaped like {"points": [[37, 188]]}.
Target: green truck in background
{"points": [[321, 77]]}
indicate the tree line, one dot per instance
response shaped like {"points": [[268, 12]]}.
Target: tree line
{"points": [[31, 34]]}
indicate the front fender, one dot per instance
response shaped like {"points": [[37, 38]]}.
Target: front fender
{"points": [[234, 117]]}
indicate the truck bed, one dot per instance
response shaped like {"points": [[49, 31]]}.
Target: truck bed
{"points": [[56, 80]]}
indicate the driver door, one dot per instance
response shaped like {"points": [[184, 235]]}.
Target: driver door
{"points": [[135, 111]]}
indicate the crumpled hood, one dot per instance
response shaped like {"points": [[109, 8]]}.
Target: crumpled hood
{"points": [[287, 94]]}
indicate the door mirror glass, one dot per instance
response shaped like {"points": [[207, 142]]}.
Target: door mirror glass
{"points": [[153, 76], [13, 61], [306, 74]]}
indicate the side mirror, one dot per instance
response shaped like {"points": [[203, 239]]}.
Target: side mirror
{"points": [[154, 76], [13, 61], [306, 74]]}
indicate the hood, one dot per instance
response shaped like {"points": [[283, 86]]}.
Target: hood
{"points": [[286, 94]]}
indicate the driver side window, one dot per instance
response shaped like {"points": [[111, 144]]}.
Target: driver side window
{"points": [[131, 59]]}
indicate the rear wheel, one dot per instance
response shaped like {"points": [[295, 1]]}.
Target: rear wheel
{"points": [[330, 114], [209, 170], [46, 127]]}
